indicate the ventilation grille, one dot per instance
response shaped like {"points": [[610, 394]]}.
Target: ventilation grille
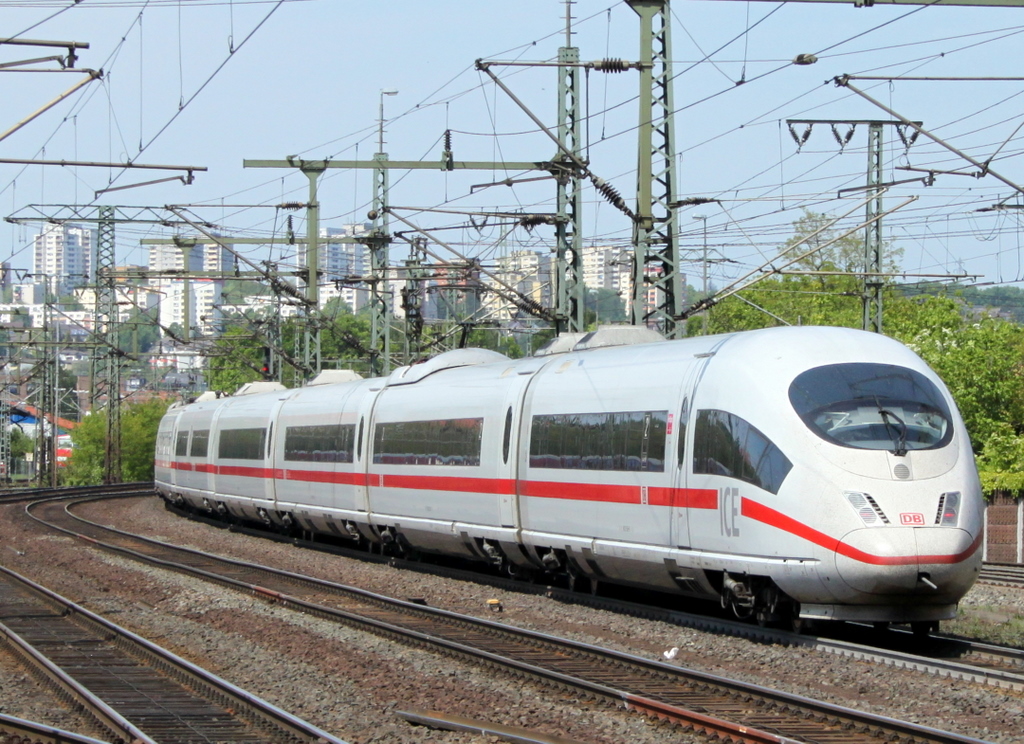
{"points": [[901, 471], [878, 510], [866, 508]]}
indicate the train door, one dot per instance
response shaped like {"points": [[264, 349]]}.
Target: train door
{"points": [[514, 402], [363, 402], [274, 433], [685, 497]]}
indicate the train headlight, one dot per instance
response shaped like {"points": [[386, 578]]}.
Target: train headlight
{"points": [[866, 508], [949, 509]]}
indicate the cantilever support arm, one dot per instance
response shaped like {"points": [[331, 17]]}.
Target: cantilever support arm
{"points": [[91, 75], [843, 81]]}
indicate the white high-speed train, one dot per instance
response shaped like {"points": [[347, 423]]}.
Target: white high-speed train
{"points": [[815, 473]]}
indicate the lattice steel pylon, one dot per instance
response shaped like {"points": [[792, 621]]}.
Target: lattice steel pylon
{"points": [[378, 243], [5, 438], [107, 357], [46, 404], [568, 280], [656, 244], [873, 233]]}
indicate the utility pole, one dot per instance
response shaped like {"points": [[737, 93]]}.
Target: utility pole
{"points": [[6, 461], [872, 282], [379, 244], [704, 220], [107, 356], [655, 240], [568, 279], [380, 238]]}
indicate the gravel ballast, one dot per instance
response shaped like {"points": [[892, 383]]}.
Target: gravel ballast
{"points": [[351, 683]]}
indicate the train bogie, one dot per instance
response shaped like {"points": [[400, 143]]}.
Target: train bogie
{"points": [[815, 471]]}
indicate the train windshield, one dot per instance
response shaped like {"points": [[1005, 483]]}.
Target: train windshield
{"points": [[872, 406]]}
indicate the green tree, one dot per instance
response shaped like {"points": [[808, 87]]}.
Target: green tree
{"points": [[21, 443], [235, 359], [603, 307], [139, 424]]}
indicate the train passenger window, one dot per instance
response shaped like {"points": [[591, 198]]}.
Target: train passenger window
{"points": [[200, 442], [323, 443], [725, 444], [684, 415], [181, 445], [506, 442], [242, 444], [624, 440], [164, 440], [872, 406], [359, 440], [441, 442]]}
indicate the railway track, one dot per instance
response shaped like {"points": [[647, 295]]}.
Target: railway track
{"points": [[1003, 574], [17, 495], [134, 690], [700, 701], [940, 655]]}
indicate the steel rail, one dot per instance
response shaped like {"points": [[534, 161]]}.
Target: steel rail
{"points": [[639, 684], [39, 733], [202, 685]]}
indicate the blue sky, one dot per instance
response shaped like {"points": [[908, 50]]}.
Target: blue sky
{"points": [[305, 78]]}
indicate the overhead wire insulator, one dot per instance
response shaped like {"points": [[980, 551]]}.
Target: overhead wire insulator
{"points": [[446, 156], [532, 220], [614, 197], [612, 64]]}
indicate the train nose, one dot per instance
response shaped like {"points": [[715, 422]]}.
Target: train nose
{"points": [[929, 561]]}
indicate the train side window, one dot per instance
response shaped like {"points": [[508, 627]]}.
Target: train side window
{"points": [[359, 441], [200, 443], [181, 445], [436, 442], [242, 444], [684, 415], [322, 443], [623, 440], [725, 444], [506, 442]]}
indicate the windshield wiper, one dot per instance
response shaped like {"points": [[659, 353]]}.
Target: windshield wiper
{"points": [[900, 440]]}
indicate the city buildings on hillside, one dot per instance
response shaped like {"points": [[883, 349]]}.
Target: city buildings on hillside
{"points": [[63, 256]]}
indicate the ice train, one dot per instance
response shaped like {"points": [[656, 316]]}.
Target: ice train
{"points": [[793, 473]]}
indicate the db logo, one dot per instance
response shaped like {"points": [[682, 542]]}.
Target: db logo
{"points": [[911, 518]]}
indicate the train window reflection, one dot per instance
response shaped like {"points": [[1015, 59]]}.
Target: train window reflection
{"points": [[242, 444], [872, 406], [725, 444], [181, 445], [441, 442], [627, 440], [323, 443], [200, 442]]}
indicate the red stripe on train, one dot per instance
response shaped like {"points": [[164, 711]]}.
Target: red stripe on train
{"points": [[773, 518]]}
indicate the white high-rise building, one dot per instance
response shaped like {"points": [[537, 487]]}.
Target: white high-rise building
{"points": [[63, 257], [528, 273], [205, 293], [607, 268]]}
